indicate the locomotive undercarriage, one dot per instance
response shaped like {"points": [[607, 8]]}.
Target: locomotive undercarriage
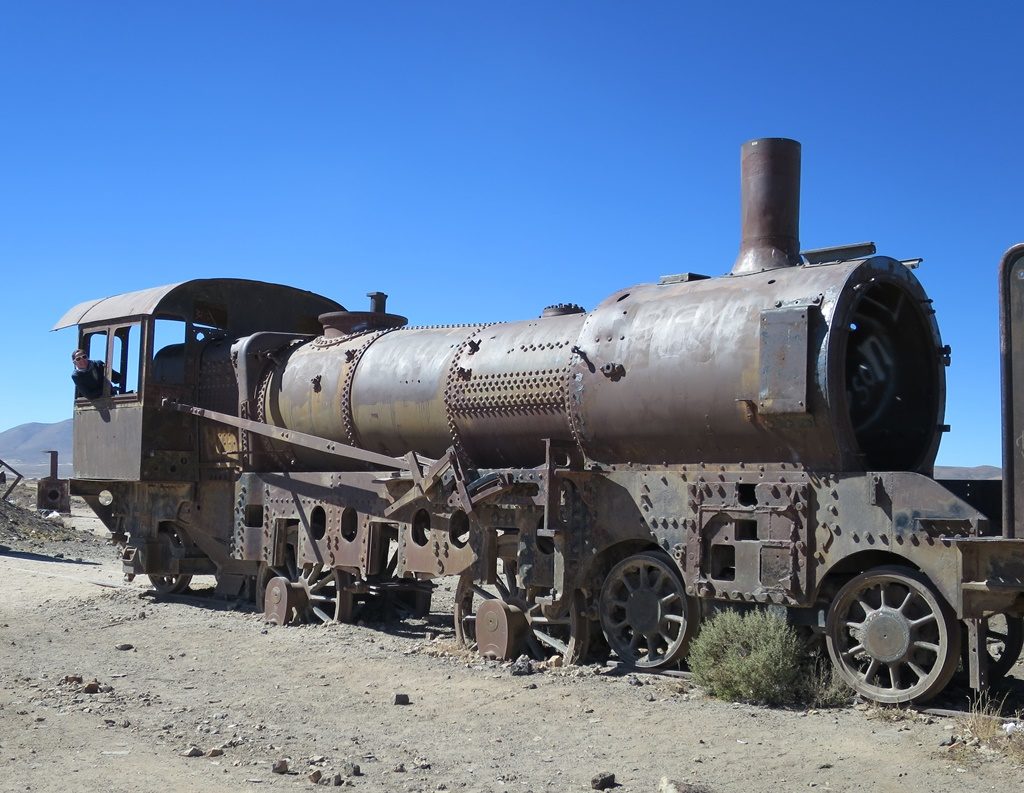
{"points": [[581, 560], [902, 580]]}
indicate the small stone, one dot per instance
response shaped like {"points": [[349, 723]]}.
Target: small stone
{"points": [[92, 687], [530, 686], [192, 751], [399, 769], [215, 752], [68, 679], [337, 780], [948, 741], [521, 666], [649, 696], [555, 661], [603, 781], [125, 723], [633, 680], [401, 699], [315, 776], [280, 766], [350, 769], [125, 646]]}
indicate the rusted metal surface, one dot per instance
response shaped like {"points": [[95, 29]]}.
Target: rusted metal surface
{"points": [[769, 206], [764, 439]]}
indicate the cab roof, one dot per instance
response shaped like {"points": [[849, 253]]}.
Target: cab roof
{"points": [[237, 305]]}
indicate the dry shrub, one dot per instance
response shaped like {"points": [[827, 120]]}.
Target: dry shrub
{"points": [[753, 657], [758, 658]]}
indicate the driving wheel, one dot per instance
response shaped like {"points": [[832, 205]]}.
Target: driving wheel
{"points": [[892, 637]]}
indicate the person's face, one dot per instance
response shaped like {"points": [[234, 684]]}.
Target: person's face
{"points": [[81, 361]]}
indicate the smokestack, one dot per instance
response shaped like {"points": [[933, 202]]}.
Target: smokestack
{"points": [[378, 302], [769, 205]]}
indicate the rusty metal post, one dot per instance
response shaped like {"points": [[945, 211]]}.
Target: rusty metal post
{"points": [[769, 205], [52, 492], [1011, 360]]}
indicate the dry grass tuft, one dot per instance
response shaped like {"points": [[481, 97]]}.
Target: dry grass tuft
{"points": [[983, 729]]}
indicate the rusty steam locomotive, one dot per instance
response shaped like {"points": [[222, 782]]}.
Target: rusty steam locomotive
{"points": [[763, 439]]}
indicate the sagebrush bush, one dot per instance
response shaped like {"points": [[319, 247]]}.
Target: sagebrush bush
{"points": [[754, 657]]}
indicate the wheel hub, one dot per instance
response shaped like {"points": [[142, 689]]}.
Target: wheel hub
{"points": [[283, 601], [886, 635], [643, 611], [500, 630]]}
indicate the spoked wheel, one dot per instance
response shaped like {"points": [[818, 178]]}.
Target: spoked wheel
{"points": [[323, 594], [646, 615], [892, 637], [171, 584], [326, 595], [1004, 641], [568, 635]]}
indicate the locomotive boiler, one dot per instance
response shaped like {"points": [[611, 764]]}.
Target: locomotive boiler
{"points": [[597, 481]]}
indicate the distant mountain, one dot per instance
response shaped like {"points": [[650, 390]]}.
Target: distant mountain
{"points": [[977, 472], [22, 448]]}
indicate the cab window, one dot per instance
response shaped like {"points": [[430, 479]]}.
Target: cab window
{"points": [[125, 357]]}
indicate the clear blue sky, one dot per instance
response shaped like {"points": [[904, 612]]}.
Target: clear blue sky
{"points": [[478, 161]]}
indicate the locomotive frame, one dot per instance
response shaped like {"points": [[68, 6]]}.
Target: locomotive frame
{"points": [[219, 456]]}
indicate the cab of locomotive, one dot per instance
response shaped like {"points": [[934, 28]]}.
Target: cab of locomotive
{"points": [[172, 343]]}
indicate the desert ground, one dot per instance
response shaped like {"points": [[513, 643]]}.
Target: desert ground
{"points": [[106, 686]]}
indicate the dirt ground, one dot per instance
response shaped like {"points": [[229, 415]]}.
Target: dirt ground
{"points": [[186, 675]]}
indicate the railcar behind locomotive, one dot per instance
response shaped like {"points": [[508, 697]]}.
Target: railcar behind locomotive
{"points": [[611, 478]]}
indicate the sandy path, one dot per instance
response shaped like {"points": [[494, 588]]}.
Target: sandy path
{"points": [[201, 673]]}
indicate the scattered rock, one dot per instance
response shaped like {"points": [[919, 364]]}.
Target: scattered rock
{"points": [[530, 686], [948, 741], [399, 769], [280, 766], [672, 786], [315, 776], [215, 752], [521, 666], [350, 769], [92, 687], [401, 699], [555, 661], [126, 646], [603, 781], [633, 680], [70, 679], [192, 751], [337, 780]]}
